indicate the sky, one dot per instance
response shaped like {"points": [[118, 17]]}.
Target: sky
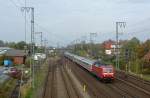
{"points": [[63, 21]]}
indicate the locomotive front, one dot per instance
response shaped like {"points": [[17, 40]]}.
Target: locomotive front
{"points": [[108, 73]]}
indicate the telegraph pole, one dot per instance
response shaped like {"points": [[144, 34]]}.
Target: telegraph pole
{"points": [[25, 48], [32, 43], [118, 25]]}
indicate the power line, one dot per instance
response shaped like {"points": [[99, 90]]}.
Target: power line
{"points": [[47, 31], [14, 3], [25, 19], [140, 22], [21, 3]]}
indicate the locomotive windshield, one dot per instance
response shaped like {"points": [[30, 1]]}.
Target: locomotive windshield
{"points": [[107, 70], [99, 63]]}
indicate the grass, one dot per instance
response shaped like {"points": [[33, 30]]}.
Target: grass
{"points": [[146, 77], [143, 76], [29, 93], [6, 88], [40, 74]]}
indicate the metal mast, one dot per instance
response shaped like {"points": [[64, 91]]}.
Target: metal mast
{"points": [[27, 9], [118, 25]]}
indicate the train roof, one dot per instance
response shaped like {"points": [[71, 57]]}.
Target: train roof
{"points": [[83, 59], [87, 60]]}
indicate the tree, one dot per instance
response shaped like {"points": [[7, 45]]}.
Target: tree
{"points": [[143, 49], [12, 44], [21, 45], [2, 43]]}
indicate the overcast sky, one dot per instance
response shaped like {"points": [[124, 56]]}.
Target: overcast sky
{"points": [[63, 21]]}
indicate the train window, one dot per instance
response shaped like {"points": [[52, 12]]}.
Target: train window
{"points": [[98, 63], [107, 70]]}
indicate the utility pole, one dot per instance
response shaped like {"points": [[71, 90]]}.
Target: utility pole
{"points": [[118, 25], [27, 9], [25, 48], [32, 42]]}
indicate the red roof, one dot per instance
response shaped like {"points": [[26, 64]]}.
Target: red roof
{"points": [[147, 56], [107, 44]]}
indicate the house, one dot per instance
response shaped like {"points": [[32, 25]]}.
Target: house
{"points": [[108, 44], [109, 47], [147, 57], [3, 50], [17, 56]]}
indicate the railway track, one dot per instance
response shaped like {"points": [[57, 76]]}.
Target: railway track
{"points": [[59, 84], [125, 86], [131, 89], [95, 88], [134, 81], [49, 91], [70, 86], [118, 89]]}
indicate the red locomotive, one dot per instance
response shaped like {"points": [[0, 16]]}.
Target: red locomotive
{"points": [[101, 70]]}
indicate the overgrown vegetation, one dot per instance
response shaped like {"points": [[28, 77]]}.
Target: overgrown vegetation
{"points": [[7, 87], [40, 75], [134, 55]]}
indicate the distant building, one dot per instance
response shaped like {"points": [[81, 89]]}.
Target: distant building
{"points": [[109, 46], [39, 56], [147, 57], [17, 56]]}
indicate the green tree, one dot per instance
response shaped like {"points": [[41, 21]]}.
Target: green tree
{"points": [[132, 56], [21, 45], [144, 49], [12, 44], [2, 43]]}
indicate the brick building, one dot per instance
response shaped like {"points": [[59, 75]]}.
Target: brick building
{"points": [[17, 56]]}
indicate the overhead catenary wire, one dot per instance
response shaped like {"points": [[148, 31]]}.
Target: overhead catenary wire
{"points": [[18, 6], [58, 37], [21, 3], [15, 4], [140, 22]]}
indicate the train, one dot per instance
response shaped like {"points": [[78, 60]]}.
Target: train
{"points": [[101, 70]]}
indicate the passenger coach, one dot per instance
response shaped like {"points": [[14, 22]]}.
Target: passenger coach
{"points": [[98, 68]]}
